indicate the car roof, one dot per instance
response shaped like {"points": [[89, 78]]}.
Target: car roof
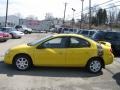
{"points": [[6, 27], [109, 31], [68, 35], [75, 35]]}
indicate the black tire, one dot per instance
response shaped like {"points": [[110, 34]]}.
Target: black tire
{"points": [[26, 32], [12, 35], [22, 62], [94, 65], [3, 40]]}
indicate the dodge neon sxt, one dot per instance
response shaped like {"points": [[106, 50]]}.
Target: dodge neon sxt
{"points": [[61, 50]]}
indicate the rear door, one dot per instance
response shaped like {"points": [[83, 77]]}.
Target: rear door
{"points": [[78, 52]]}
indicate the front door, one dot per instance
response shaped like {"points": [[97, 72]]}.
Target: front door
{"points": [[52, 54]]}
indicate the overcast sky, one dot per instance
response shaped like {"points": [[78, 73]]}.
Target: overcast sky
{"points": [[40, 7]]}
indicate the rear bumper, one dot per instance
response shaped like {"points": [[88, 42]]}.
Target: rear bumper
{"points": [[18, 36], [4, 38], [108, 59]]}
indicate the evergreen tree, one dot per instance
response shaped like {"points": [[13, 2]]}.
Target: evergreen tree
{"points": [[101, 16], [104, 16], [94, 20], [118, 17]]}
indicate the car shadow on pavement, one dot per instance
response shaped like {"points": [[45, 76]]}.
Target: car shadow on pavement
{"points": [[117, 78], [10, 71]]}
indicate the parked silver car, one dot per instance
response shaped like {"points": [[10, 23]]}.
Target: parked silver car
{"points": [[14, 33], [24, 29]]}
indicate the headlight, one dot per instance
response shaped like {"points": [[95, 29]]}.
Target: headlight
{"points": [[7, 51]]}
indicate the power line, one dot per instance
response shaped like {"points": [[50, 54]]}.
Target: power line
{"points": [[100, 4], [112, 3], [78, 15]]}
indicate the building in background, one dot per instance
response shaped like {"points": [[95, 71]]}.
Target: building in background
{"points": [[40, 25], [36, 24], [12, 21]]}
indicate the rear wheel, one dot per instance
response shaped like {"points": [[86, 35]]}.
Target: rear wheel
{"points": [[22, 62], [94, 65]]}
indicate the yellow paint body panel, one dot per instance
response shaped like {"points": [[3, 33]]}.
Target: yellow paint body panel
{"points": [[66, 57]]}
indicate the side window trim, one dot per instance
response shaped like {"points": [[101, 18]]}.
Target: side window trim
{"points": [[41, 45], [89, 45]]}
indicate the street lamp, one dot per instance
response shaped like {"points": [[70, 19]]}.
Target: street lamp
{"points": [[73, 16], [73, 12], [6, 14]]}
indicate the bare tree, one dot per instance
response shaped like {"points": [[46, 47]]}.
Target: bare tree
{"points": [[49, 16], [32, 17]]}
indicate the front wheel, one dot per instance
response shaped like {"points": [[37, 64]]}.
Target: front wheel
{"points": [[22, 62], [12, 35], [94, 66], [26, 32]]}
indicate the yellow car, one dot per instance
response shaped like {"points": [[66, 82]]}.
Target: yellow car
{"points": [[61, 50]]}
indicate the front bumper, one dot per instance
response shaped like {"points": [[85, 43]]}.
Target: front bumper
{"points": [[8, 58]]}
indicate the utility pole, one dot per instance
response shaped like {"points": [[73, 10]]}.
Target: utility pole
{"points": [[6, 14], [64, 13], [110, 24], [82, 14], [89, 14]]}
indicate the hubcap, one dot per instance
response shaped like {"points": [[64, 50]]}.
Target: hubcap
{"points": [[22, 63], [95, 66]]}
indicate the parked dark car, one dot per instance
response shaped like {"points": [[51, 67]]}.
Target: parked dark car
{"points": [[111, 37], [4, 36], [87, 33]]}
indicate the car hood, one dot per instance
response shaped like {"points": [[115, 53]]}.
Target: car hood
{"points": [[21, 47], [29, 29], [18, 32]]}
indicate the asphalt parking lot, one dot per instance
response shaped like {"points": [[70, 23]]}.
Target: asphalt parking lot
{"points": [[45, 78]]}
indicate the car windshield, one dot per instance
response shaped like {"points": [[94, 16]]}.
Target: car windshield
{"points": [[38, 41]]}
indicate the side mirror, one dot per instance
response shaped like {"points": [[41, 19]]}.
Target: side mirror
{"points": [[40, 47]]}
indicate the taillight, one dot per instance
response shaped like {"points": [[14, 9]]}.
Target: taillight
{"points": [[111, 50], [100, 50]]}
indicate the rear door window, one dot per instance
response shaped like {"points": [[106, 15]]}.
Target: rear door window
{"points": [[92, 32], [78, 43], [85, 32]]}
